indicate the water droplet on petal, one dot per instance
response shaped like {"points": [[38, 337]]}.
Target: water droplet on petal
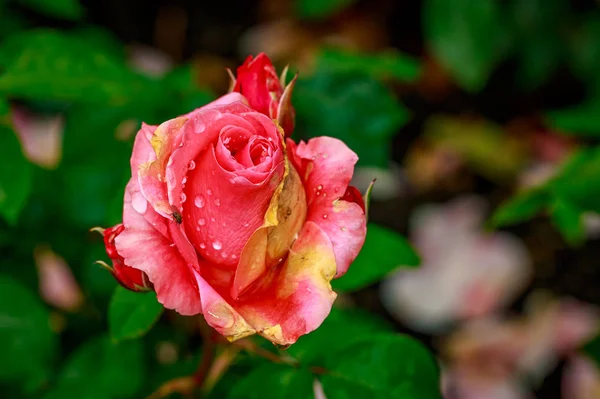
{"points": [[202, 245], [320, 187], [192, 165], [201, 221], [217, 245], [200, 127], [171, 245], [184, 180], [325, 216], [139, 203], [224, 255], [199, 201], [234, 256], [212, 219], [218, 315], [182, 198], [209, 191], [246, 224], [197, 228], [218, 202]]}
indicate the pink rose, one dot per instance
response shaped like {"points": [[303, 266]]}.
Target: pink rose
{"points": [[228, 219], [264, 90]]}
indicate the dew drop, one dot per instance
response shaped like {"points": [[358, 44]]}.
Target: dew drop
{"points": [[199, 201], [197, 228], [320, 187], [209, 191], [218, 315], [200, 127], [192, 165], [212, 219], [202, 245], [217, 245], [325, 216], [218, 202], [234, 256], [182, 198], [201, 221], [139, 203], [184, 180], [224, 255], [171, 245], [246, 224]]}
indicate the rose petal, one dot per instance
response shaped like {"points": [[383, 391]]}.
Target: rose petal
{"points": [[297, 296], [270, 243], [326, 165], [143, 247]]}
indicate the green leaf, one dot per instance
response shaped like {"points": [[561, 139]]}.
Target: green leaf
{"points": [[578, 181], [274, 381], [467, 37], [383, 251], [355, 108], [318, 9], [538, 27], [16, 176], [382, 366], [592, 349], [28, 344], [132, 314], [382, 65], [44, 64], [521, 207], [64, 9], [580, 120], [569, 221], [341, 329], [101, 369]]}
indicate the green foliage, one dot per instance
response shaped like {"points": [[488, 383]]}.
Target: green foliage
{"points": [[468, 38], [521, 207], [318, 9], [382, 65], [132, 314], [352, 107], [274, 381], [63, 9], [383, 251], [16, 176], [382, 366], [568, 218], [28, 344], [101, 369]]}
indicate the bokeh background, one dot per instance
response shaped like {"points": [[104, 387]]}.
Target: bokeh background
{"points": [[479, 119]]}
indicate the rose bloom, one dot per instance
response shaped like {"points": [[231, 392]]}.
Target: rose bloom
{"points": [[226, 217]]}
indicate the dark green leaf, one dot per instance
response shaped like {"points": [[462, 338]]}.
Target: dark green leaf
{"points": [[132, 314], [341, 329], [578, 181], [521, 207], [316, 9], [580, 120], [569, 221], [592, 349], [101, 369], [382, 366], [274, 381], [383, 252], [584, 49], [44, 64], [28, 344], [355, 108], [467, 37], [16, 176], [64, 9], [383, 65]]}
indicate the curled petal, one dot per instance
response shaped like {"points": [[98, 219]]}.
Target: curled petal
{"points": [[270, 243], [326, 165], [145, 248], [296, 296]]}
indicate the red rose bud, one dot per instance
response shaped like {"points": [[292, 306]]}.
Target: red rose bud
{"points": [[266, 93], [130, 278]]}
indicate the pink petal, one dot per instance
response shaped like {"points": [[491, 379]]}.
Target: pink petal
{"points": [[40, 136], [326, 165], [143, 247], [297, 297]]}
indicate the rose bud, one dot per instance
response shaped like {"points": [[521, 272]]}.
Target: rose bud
{"points": [[128, 277], [258, 82], [228, 219]]}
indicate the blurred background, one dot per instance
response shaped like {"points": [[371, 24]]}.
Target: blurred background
{"points": [[479, 119]]}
